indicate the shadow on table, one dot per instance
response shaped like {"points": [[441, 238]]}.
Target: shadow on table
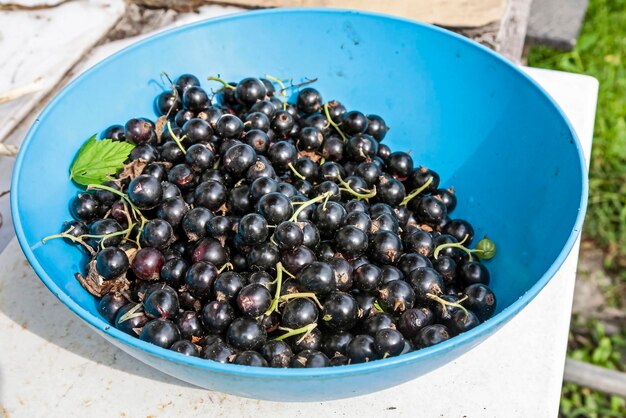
{"points": [[27, 302]]}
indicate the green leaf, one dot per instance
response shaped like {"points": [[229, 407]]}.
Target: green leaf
{"points": [[96, 161]]}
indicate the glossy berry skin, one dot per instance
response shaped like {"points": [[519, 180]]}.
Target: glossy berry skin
{"points": [[481, 300], [329, 218], [114, 132], [161, 332], [161, 303], [238, 158], [200, 278], [446, 267], [195, 99], [277, 353], [217, 316], [130, 322], [184, 81], [185, 347], [367, 277], [430, 210], [299, 312], [275, 208], [421, 176], [190, 325], [309, 100], [253, 229], [396, 296], [281, 154], [250, 358], [111, 263], [210, 250], [110, 304], [174, 271], [263, 256], [258, 140], [351, 241], [172, 211], [245, 333], [376, 322], [85, 207], [288, 236], [461, 230], [229, 126], [145, 192], [336, 343], [473, 272], [210, 194], [390, 191], [353, 122], [385, 247], [420, 242], [412, 321], [157, 233], [194, 223], [147, 263], [447, 196], [340, 311], [249, 91], [362, 349], [254, 300], [282, 123], [138, 131], [426, 281], [105, 227], [317, 277], [431, 335], [309, 359], [168, 103], [376, 127], [227, 285], [460, 321], [218, 351], [310, 139], [389, 342], [182, 176], [219, 226]]}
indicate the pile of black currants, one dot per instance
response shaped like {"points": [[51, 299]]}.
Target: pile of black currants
{"points": [[247, 229]]}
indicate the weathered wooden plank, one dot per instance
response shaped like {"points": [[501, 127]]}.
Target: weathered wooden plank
{"points": [[595, 377], [54, 40], [453, 13], [513, 26], [556, 23]]}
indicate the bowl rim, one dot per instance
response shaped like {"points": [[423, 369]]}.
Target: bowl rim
{"points": [[463, 339]]}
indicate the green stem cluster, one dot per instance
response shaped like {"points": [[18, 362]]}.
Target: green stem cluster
{"points": [[333, 124], [485, 249], [416, 192]]}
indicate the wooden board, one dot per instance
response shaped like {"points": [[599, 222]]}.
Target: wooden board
{"points": [[450, 13], [56, 38]]}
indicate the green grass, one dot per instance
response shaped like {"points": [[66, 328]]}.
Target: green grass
{"points": [[601, 53]]}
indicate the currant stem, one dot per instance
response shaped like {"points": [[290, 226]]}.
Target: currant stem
{"points": [[295, 172], [333, 124], [445, 303], [300, 295], [222, 82], [359, 196], [323, 196], [453, 245], [175, 138], [306, 330], [416, 192], [279, 284], [228, 266], [71, 238], [136, 211], [283, 90]]}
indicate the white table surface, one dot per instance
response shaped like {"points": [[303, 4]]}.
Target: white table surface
{"points": [[53, 365]]}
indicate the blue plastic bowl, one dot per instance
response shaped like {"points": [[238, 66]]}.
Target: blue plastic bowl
{"points": [[489, 130]]}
